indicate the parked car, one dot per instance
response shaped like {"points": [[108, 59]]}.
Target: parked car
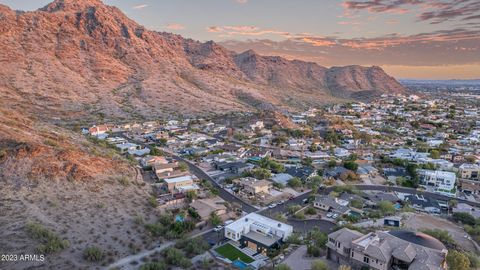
{"points": [[272, 205], [305, 201], [218, 228]]}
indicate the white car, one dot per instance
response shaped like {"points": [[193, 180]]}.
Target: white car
{"points": [[218, 228], [272, 205], [335, 216], [329, 215]]}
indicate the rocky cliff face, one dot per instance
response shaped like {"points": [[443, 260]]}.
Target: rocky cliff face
{"points": [[79, 58]]}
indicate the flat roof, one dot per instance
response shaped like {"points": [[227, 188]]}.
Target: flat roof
{"points": [[178, 179], [249, 219], [263, 239]]}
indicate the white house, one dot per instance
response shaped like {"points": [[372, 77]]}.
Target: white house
{"points": [[439, 181], [258, 232]]}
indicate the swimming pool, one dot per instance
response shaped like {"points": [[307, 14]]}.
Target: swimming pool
{"points": [[241, 265]]}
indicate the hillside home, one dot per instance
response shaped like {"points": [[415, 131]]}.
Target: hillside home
{"points": [[384, 250], [253, 186], [181, 184], [469, 171], [438, 181], [258, 232], [205, 207]]}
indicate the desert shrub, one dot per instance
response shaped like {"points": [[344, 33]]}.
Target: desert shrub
{"points": [[152, 201], [50, 242], [93, 254], [154, 266]]}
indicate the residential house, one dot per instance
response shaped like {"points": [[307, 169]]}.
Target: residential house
{"points": [[438, 181], [331, 204], [99, 130], [150, 161], [234, 167], [469, 171], [253, 186], [258, 232], [181, 184], [281, 178], [423, 204], [205, 207], [386, 250]]}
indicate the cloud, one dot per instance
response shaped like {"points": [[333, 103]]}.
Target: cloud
{"points": [[244, 30], [175, 26], [140, 6], [458, 46], [434, 11]]}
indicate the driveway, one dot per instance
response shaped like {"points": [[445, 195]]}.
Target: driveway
{"points": [[298, 260]]}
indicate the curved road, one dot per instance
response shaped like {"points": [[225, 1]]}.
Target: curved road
{"points": [[426, 194]]}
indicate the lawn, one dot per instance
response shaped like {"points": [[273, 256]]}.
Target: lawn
{"points": [[232, 253]]}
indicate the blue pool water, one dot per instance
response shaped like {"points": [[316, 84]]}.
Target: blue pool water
{"points": [[241, 265]]}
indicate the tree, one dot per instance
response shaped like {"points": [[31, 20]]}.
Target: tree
{"points": [[457, 260], [332, 163], [319, 238], [191, 195], [162, 141], [294, 239], [308, 161], [183, 166], [294, 182], [261, 173], [313, 148], [344, 267], [386, 207], [215, 219], [319, 265], [350, 165], [464, 218], [435, 154]]}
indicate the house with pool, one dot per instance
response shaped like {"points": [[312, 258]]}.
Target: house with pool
{"points": [[258, 233]]}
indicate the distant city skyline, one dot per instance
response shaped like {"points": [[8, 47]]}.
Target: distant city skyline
{"points": [[418, 39]]}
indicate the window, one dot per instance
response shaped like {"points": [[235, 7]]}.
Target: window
{"points": [[352, 254], [366, 259], [338, 244]]}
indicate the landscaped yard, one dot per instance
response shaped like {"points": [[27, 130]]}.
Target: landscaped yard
{"points": [[230, 252]]}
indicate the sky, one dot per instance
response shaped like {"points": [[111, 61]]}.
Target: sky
{"points": [[421, 39]]}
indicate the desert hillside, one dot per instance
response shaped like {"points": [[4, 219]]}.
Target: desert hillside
{"points": [[72, 59]]}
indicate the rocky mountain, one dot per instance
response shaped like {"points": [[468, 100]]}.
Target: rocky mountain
{"points": [[78, 58]]}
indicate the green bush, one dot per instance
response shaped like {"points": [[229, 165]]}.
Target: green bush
{"points": [[50, 242], [193, 247], [152, 201], [310, 211], [93, 254], [465, 218], [154, 266]]}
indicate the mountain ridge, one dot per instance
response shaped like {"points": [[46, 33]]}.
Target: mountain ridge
{"points": [[115, 67]]}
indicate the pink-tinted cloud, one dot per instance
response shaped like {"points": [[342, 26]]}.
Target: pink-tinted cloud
{"points": [[457, 46], [175, 26], [244, 30], [140, 6], [434, 11]]}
